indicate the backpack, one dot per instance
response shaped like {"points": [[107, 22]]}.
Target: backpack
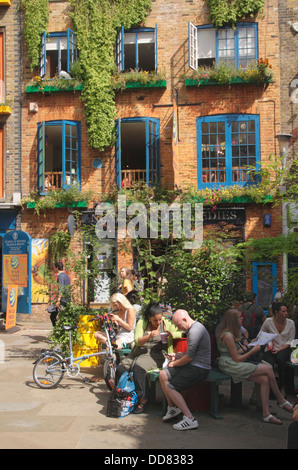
{"points": [[123, 398], [249, 321]]}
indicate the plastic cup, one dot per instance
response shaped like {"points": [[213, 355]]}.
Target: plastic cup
{"points": [[164, 337]]}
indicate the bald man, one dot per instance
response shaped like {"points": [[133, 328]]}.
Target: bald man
{"points": [[186, 369]]}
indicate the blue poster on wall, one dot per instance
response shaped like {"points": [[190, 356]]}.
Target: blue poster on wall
{"points": [[16, 268]]}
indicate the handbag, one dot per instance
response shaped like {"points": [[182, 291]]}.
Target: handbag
{"points": [[254, 358]]}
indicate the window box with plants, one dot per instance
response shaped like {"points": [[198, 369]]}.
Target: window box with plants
{"points": [[5, 109], [224, 74], [135, 79], [4, 3], [39, 85]]}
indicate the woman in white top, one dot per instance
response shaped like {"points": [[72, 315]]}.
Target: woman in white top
{"points": [[125, 318], [279, 351]]}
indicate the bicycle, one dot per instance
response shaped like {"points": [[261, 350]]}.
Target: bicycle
{"points": [[50, 367]]}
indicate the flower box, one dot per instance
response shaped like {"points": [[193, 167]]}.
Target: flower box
{"points": [[52, 88], [235, 81], [4, 3], [139, 84], [5, 109], [31, 205]]}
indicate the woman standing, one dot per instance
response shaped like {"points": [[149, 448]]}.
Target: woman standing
{"points": [[232, 362], [148, 350], [280, 351], [127, 281], [125, 319]]}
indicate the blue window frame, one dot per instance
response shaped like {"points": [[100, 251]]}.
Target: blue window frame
{"points": [[264, 283], [136, 49], [208, 45], [58, 154], [137, 151], [58, 53], [226, 146]]}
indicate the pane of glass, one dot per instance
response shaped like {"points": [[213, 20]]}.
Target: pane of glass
{"points": [[221, 127], [205, 127], [213, 127], [251, 126]]}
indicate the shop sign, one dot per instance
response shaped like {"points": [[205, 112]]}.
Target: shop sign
{"points": [[230, 215]]}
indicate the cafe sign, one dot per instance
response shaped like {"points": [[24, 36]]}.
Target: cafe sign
{"points": [[230, 215]]}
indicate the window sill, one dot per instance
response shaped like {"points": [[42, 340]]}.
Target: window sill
{"points": [[5, 110], [31, 205], [157, 84], [235, 81], [53, 88]]}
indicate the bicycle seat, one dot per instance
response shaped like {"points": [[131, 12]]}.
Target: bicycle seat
{"points": [[69, 327]]}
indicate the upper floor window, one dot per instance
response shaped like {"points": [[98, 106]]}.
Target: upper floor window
{"points": [[58, 154], [58, 53], [227, 146], [237, 47], [136, 49]]}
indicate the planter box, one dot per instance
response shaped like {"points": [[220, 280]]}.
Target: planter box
{"points": [[31, 205], [52, 88], [158, 84], [236, 199], [235, 81], [4, 3], [5, 110]]}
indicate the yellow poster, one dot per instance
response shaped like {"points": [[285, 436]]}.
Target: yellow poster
{"points": [[15, 270], [11, 308], [39, 260]]}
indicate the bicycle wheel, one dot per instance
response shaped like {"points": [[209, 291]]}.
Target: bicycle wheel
{"points": [[48, 371], [109, 372]]}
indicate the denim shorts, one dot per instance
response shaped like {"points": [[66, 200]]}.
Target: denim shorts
{"points": [[180, 378]]}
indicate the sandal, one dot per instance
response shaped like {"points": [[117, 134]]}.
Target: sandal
{"points": [[271, 420], [140, 408], [286, 406]]}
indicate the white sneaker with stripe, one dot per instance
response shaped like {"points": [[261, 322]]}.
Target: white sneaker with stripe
{"points": [[185, 424], [171, 413]]}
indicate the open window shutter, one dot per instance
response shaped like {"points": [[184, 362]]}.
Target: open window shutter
{"points": [[192, 46], [71, 49], [156, 62], [40, 156], [118, 153], [43, 55], [120, 50]]}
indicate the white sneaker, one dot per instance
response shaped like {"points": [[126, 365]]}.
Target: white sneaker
{"points": [[171, 413], [185, 424]]}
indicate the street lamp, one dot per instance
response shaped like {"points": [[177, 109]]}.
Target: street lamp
{"points": [[283, 142]]}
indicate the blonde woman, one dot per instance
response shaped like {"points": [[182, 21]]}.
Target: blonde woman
{"points": [[232, 359], [124, 317]]}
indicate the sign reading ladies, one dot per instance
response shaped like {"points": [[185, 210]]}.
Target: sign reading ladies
{"points": [[135, 221]]}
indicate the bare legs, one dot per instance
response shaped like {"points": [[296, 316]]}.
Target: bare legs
{"points": [[173, 397], [264, 376]]}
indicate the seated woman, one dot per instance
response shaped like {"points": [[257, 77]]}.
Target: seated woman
{"points": [[127, 281], [232, 362], [125, 318], [285, 330], [148, 350]]}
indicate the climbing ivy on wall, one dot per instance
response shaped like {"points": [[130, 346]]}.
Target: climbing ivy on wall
{"points": [[96, 23], [36, 21], [230, 11]]}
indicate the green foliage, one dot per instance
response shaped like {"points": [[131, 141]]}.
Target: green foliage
{"points": [[58, 245], [204, 282], [224, 12], [36, 13], [69, 315]]}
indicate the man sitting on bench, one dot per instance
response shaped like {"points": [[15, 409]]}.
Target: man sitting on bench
{"points": [[186, 369]]}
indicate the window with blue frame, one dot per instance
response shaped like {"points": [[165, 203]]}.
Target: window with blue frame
{"points": [[237, 47], [58, 54], [136, 49], [227, 146], [137, 151], [58, 154]]}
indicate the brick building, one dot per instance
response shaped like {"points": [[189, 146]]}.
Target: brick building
{"points": [[220, 127], [10, 118]]}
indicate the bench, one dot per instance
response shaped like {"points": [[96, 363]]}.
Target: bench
{"points": [[215, 378]]}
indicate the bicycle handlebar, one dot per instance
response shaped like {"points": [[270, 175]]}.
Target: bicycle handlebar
{"points": [[97, 317]]}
